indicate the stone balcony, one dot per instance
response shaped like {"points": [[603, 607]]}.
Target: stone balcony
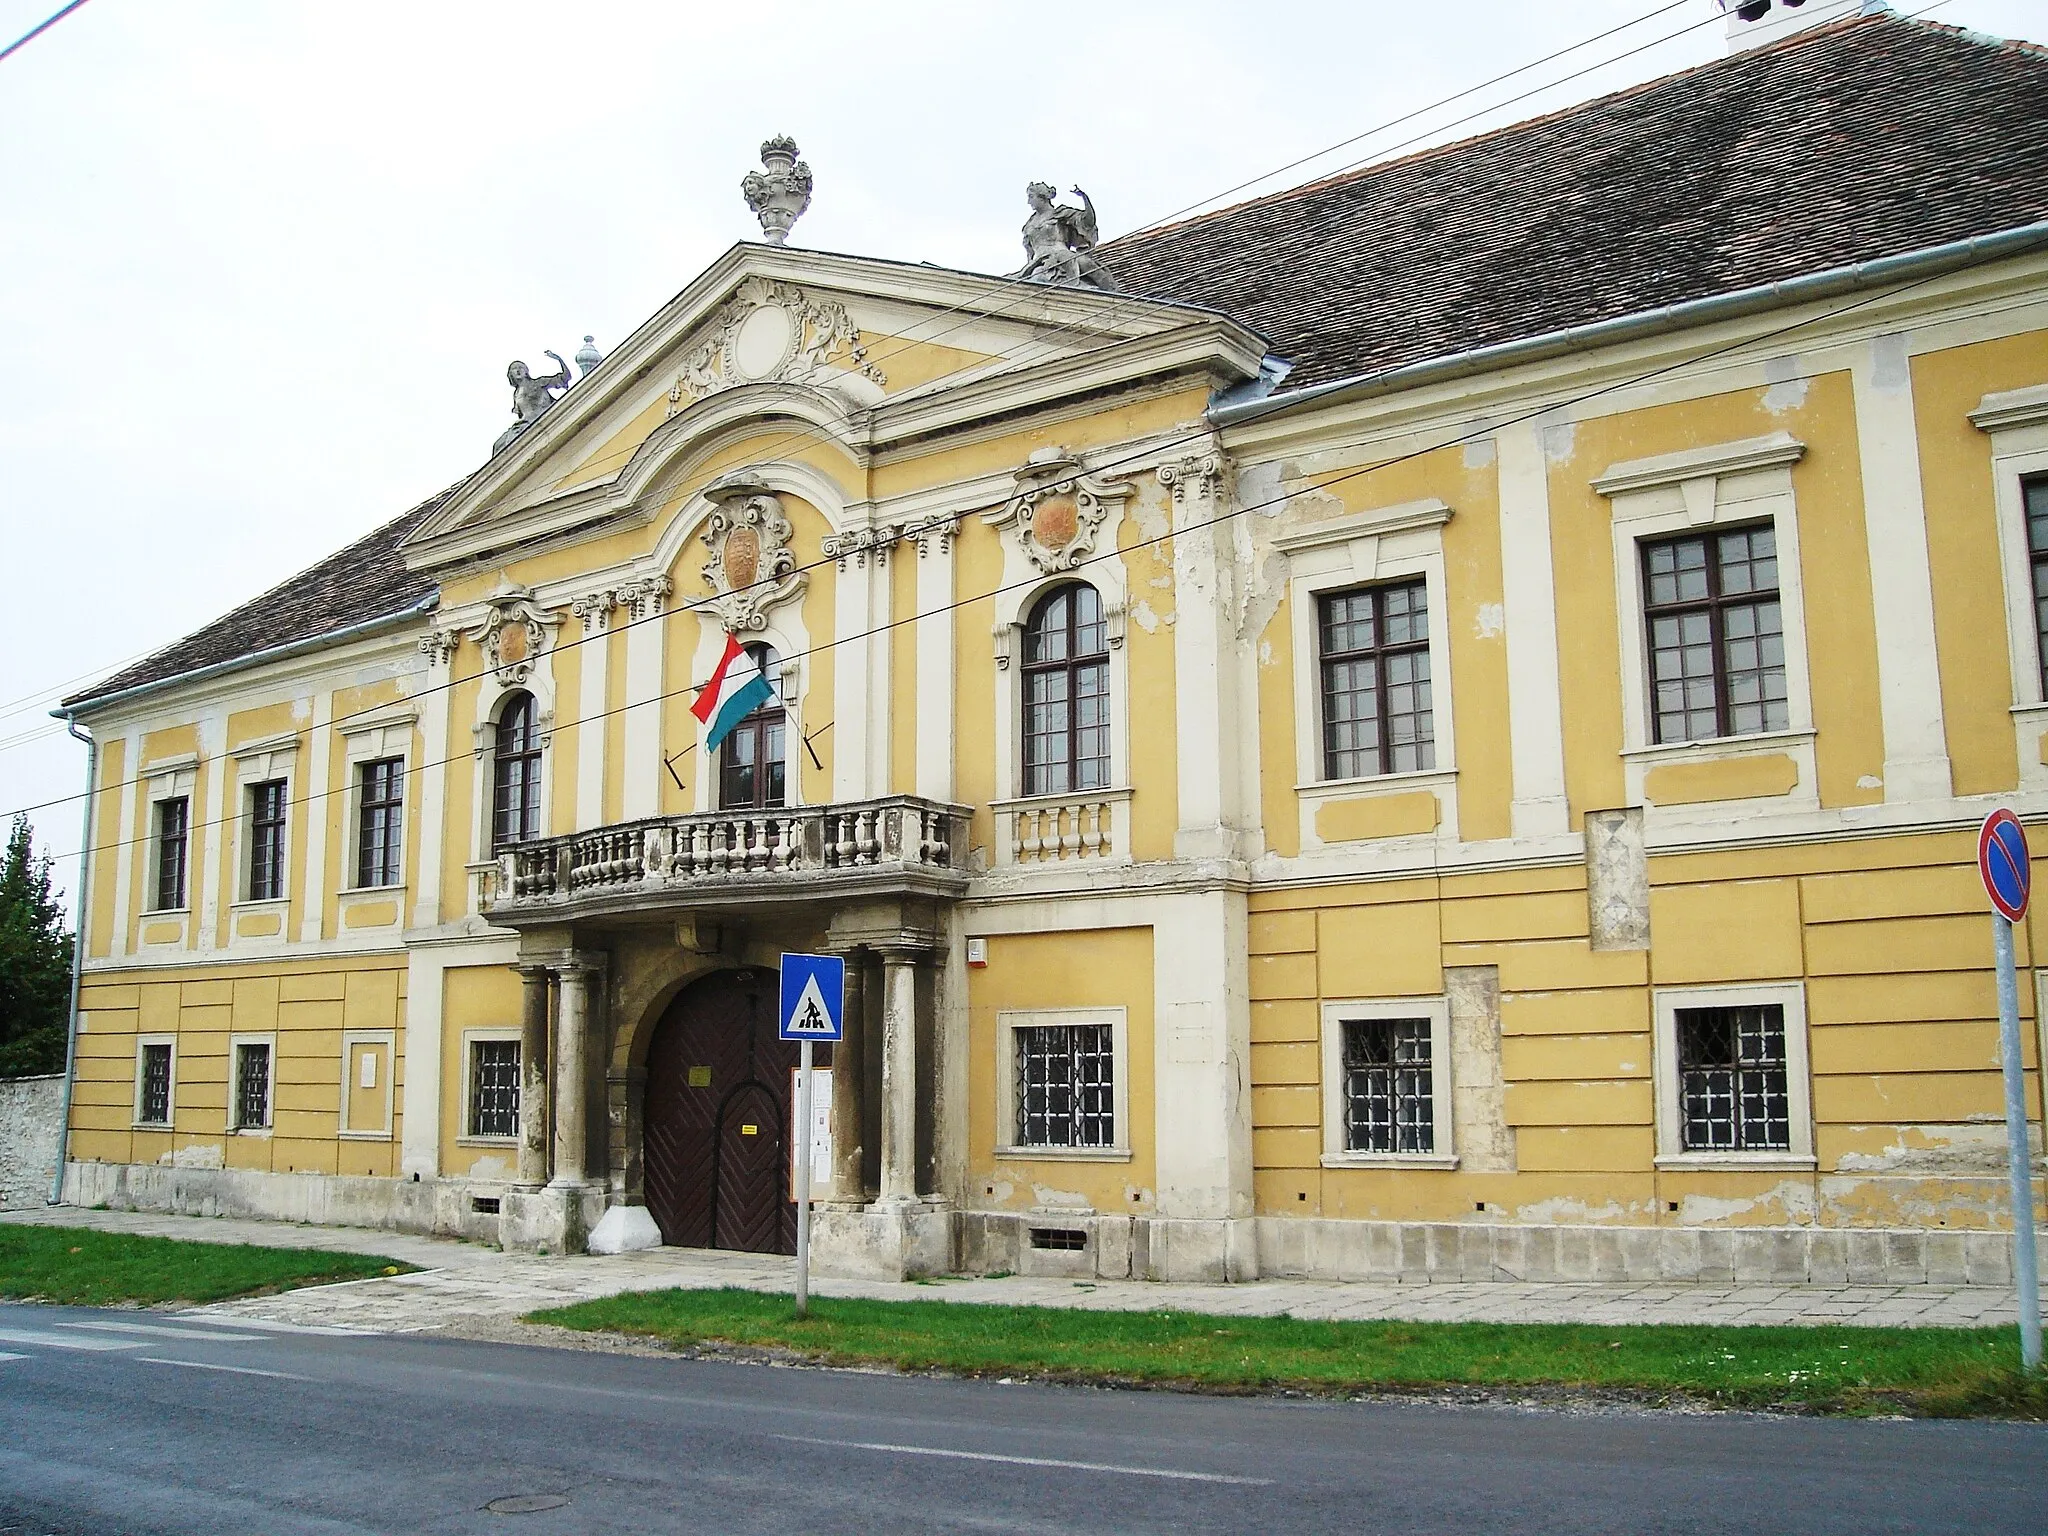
{"points": [[895, 846]]}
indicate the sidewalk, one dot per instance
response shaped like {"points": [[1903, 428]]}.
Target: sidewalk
{"points": [[462, 1285]]}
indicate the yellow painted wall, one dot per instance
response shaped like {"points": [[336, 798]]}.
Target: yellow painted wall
{"points": [[473, 997]]}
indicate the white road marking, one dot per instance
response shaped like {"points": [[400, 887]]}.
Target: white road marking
{"points": [[233, 1370], [5, 1356], [63, 1341], [1030, 1461], [163, 1333]]}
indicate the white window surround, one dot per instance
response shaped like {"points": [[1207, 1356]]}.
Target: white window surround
{"points": [[1008, 1022], [2016, 421], [471, 1038], [235, 1044], [1375, 547], [1671, 1149], [171, 1106], [1724, 485], [790, 638], [171, 778], [353, 1041], [367, 738], [1438, 1011], [259, 762], [492, 698]]}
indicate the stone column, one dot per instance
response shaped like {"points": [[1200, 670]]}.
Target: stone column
{"points": [[572, 1090], [533, 1075], [846, 1088], [899, 1078]]}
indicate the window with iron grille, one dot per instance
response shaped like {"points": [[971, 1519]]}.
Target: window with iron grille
{"points": [[153, 1100], [1716, 635], [515, 775], [380, 829], [252, 1086], [1389, 1088], [1378, 716], [266, 841], [173, 832], [1066, 693], [1732, 1079], [1066, 1085], [752, 773], [494, 1088], [2035, 494]]}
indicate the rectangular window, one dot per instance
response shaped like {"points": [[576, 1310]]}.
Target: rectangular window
{"points": [[1732, 1079], [252, 1086], [380, 828], [266, 841], [2035, 494], [1716, 635], [1389, 1091], [173, 831], [153, 1096], [1377, 710], [1066, 1085], [494, 1088]]}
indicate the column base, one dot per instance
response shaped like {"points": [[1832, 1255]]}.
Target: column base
{"points": [[556, 1219], [625, 1229], [889, 1240]]}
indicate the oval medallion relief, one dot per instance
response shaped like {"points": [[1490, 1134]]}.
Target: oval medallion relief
{"points": [[1054, 522], [764, 341], [513, 644], [742, 557]]}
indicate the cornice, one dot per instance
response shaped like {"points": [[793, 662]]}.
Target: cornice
{"points": [[1772, 451], [2007, 409]]}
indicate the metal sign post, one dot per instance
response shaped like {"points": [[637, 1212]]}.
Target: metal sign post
{"points": [[813, 1008], [2003, 862]]}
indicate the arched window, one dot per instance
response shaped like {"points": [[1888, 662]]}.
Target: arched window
{"points": [[751, 768], [1066, 693], [515, 768]]}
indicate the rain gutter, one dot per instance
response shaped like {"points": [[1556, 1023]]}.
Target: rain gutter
{"points": [[92, 779]]}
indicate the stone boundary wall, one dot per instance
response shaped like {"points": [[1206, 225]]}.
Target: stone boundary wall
{"points": [[31, 1115]]}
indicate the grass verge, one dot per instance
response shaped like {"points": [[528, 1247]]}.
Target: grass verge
{"points": [[97, 1269], [1936, 1372]]}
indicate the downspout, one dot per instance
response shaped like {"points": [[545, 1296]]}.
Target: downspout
{"points": [[92, 779]]}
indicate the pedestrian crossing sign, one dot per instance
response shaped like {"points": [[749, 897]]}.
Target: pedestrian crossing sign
{"points": [[813, 997]]}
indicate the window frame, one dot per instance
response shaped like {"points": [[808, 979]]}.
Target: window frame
{"points": [[757, 723], [391, 841], [158, 840], [1008, 1022], [265, 833], [1715, 605], [1335, 1014], [2016, 424], [1070, 666], [471, 1039], [1376, 655], [169, 1122], [1672, 1153], [535, 755], [236, 1045]]}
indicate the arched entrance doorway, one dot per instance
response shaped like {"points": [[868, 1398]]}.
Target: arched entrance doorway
{"points": [[717, 1120]]}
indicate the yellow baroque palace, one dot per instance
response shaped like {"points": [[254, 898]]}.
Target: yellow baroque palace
{"points": [[1432, 724]]}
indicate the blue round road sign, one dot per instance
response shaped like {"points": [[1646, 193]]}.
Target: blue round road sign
{"points": [[2002, 861]]}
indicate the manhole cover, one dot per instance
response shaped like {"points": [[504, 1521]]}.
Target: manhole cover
{"points": [[525, 1503]]}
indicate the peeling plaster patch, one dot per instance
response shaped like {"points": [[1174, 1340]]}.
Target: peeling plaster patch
{"points": [[490, 1168], [208, 1156], [1059, 1201], [1136, 1194], [1971, 1150], [1314, 505], [1154, 523], [1265, 587], [1788, 385], [1162, 581], [1870, 781], [302, 711], [1258, 490], [1562, 1210], [1265, 653], [1889, 367], [1004, 1189], [1147, 619], [1479, 452], [1492, 621], [1793, 1198], [1560, 442]]}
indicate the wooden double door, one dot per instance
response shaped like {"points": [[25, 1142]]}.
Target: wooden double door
{"points": [[716, 1157]]}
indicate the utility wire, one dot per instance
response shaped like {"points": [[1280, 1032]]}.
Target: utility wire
{"points": [[39, 29]]}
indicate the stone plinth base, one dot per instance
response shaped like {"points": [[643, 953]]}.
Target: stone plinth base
{"points": [[882, 1242], [557, 1219], [625, 1229], [1087, 1246]]}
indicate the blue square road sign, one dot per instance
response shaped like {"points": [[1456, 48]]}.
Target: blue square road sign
{"points": [[813, 998]]}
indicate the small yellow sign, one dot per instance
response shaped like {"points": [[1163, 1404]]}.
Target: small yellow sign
{"points": [[700, 1077], [750, 1130]]}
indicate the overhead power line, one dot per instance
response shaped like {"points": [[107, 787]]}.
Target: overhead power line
{"points": [[38, 30]]}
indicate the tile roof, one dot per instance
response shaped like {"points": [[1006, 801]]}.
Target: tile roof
{"points": [[1859, 139], [365, 581]]}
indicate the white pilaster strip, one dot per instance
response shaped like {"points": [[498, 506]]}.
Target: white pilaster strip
{"points": [[420, 1152], [319, 807], [594, 654], [1535, 709], [1916, 765], [128, 854], [207, 878], [881, 679], [934, 632], [1202, 1057], [1205, 676], [429, 777], [851, 611], [640, 774]]}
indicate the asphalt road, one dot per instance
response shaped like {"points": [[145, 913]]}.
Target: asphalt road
{"points": [[134, 1424]]}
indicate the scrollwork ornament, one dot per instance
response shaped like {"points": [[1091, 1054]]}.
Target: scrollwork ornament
{"points": [[513, 632], [752, 566], [1058, 511], [813, 340]]}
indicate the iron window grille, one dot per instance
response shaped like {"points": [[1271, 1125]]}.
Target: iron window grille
{"points": [[2035, 494], [1389, 1086], [1716, 634], [266, 840], [153, 1104], [173, 832], [380, 832], [252, 1086], [494, 1088], [1066, 1085], [1066, 693], [515, 776], [752, 773], [1733, 1092], [1378, 712]]}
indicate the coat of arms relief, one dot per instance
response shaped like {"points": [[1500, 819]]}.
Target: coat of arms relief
{"points": [[771, 330], [1057, 511], [752, 567], [513, 632]]}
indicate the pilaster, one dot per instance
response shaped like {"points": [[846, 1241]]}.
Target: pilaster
{"points": [[323, 810], [1529, 597], [1207, 710], [430, 772], [593, 654], [646, 646]]}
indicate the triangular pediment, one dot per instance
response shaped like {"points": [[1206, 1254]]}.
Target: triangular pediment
{"points": [[823, 348]]}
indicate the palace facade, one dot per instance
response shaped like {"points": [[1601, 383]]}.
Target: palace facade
{"points": [[1434, 728]]}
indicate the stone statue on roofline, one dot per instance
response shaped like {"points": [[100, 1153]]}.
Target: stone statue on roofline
{"points": [[531, 395], [1059, 240]]}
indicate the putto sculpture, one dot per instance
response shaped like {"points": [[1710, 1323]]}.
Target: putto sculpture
{"points": [[780, 191], [531, 396], [1059, 239]]}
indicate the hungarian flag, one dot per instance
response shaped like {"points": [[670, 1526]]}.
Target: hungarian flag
{"points": [[737, 688]]}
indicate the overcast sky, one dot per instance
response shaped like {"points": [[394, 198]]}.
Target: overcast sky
{"points": [[262, 267]]}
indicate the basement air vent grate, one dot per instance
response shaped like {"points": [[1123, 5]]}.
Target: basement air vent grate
{"points": [[1059, 1239], [484, 1205]]}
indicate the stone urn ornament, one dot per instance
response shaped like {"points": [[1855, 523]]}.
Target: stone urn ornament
{"points": [[780, 191]]}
